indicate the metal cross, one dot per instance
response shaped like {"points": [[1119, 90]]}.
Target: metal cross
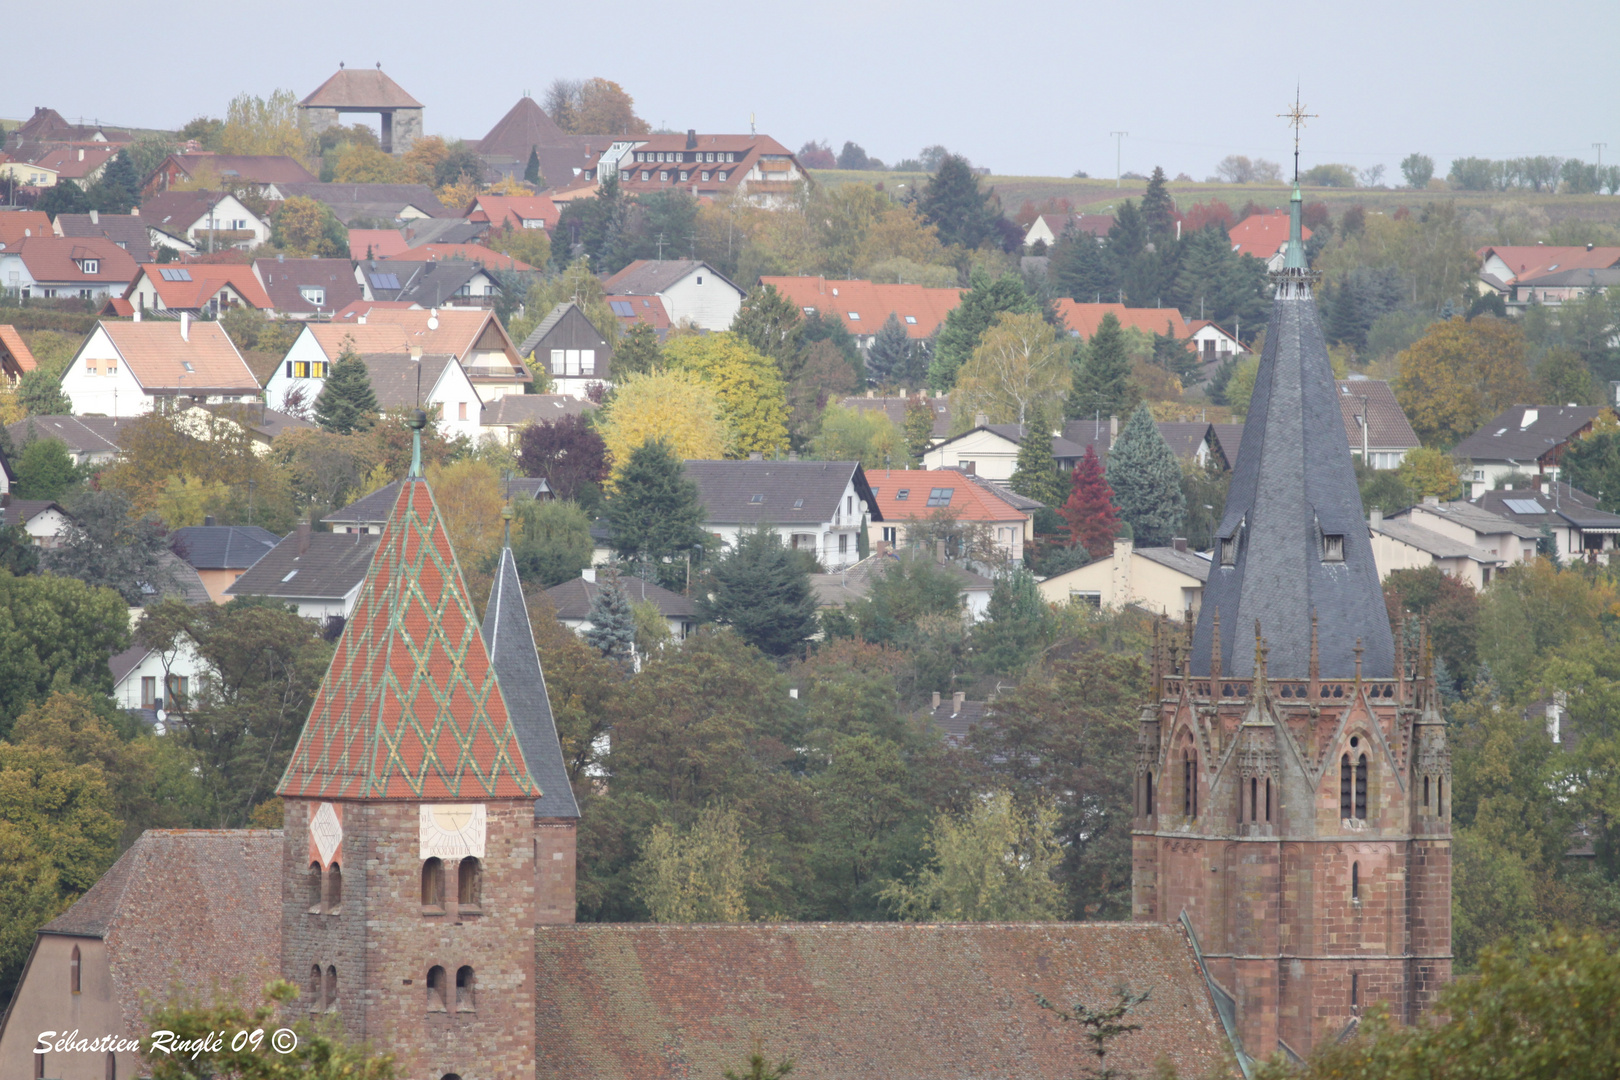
{"points": [[1296, 118]]}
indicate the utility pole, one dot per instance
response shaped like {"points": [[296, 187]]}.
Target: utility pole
{"points": [[1600, 147], [1119, 141]]}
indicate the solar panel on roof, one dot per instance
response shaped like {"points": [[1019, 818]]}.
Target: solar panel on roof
{"points": [[1523, 506], [175, 273], [385, 281], [622, 307]]}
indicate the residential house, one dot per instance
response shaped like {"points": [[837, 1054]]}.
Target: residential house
{"points": [[1408, 543], [42, 519], [498, 212], [1379, 433], [692, 291], [17, 225], [319, 573], [221, 553], [373, 202], [1047, 229], [904, 494], [146, 680], [1213, 344], [234, 171], [853, 583], [261, 424], [1264, 235], [1541, 273], [1554, 287], [436, 382], [755, 167], [894, 407], [864, 306], [80, 163], [128, 231], [1526, 439], [1228, 440], [478, 254], [46, 128], [572, 603], [955, 717], [1496, 536], [130, 368], [990, 451], [574, 351], [369, 513], [640, 309], [506, 417], [308, 288], [206, 220], [1567, 519], [428, 283], [367, 244], [201, 289], [16, 358], [1162, 580], [44, 267], [20, 173], [1083, 319], [90, 440], [819, 507]]}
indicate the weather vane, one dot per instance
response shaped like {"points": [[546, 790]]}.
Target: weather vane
{"points": [[1296, 118]]}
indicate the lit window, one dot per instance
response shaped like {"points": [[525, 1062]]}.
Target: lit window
{"points": [[300, 369], [317, 369]]}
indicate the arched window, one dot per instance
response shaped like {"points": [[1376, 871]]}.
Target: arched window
{"points": [[436, 990], [314, 887], [331, 984], [464, 989], [433, 883], [1268, 800], [1355, 881], [1425, 793], [334, 888], [1189, 782], [73, 971], [1150, 794], [1355, 989], [314, 988], [469, 880], [1254, 798], [1440, 796], [1361, 787]]}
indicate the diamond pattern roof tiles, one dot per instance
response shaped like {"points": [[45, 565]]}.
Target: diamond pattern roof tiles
{"points": [[410, 707]]}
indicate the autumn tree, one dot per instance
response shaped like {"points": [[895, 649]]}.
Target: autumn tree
{"points": [[258, 126], [638, 351], [308, 229], [1459, 374], [700, 874], [994, 864], [470, 496], [347, 403], [1418, 170], [771, 324], [967, 323], [1102, 385], [677, 407], [1427, 471], [822, 376], [551, 541], [1089, 511], [568, 452], [864, 435], [747, 384], [605, 108], [1018, 374], [1146, 480]]}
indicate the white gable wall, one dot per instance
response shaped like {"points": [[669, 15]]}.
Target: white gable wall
{"points": [[306, 349], [710, 305], [90, 388], [993, 457]]}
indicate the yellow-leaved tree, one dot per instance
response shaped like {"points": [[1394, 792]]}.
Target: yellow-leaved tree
{"points": [[470, 499], [676, 406], [367, 165], [255, 125], [1461, 373], [747, 383], [1019, 373], [1428, 471]]}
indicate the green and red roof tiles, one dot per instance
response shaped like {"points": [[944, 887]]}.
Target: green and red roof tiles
{"points": [[410, 707]]}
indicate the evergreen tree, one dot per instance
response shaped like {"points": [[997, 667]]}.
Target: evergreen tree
{"points": [[1172, 354], [45, 470], [655, 512], [1219, 283], [637, 352], [1127, 237], [39, 392], [1015, 626], [1343, 318], [613, 623], [819, 327], [1081, 269], [762, 590], [63, 198], [919, 425], [967, 322], [888, 360], [953, 202], [772, 324], [347, 403], [1093, 522], [1158, 208], [1036, 475], [1146, 479], [1103, 383], [531, 172], [119, 187]]}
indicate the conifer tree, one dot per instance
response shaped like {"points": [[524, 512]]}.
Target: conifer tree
{"points": [[1090, 514], [613, 623], [762, 590], [119, 187], [347, 403], [531, 172], [1158, 208], [888, 360], [1016, 624], [637, 352], [1036, 474], [953, 202], [963, 328], [1146, 479], [655, 512], [1103, 383], [1080, 268], [773, 325]]}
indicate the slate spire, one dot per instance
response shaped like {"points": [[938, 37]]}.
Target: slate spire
{"points": [[509, 637], [1294, 537]]}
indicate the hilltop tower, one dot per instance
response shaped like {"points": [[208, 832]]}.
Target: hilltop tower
{"points": [[409, 862], [1293, 779]]}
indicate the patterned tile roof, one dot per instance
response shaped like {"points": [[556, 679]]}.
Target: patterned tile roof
{"points": [[410, 708], [944, 1001]]}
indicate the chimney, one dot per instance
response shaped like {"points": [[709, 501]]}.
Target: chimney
{"points": [[137, 314], [956, 702], [881, 549], [1375, 518], [303, 537], [1179, 543], [793, 455], [939, 551], [936, 699], [95, 216], [208, 519], [756, 455], [1113, 429], [980, 419], [185, 326], [1431, 500], [691, 138], [588, 574]]}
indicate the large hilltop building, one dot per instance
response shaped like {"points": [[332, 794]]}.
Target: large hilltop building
{"points": [[1294, 782], [358, 90]]}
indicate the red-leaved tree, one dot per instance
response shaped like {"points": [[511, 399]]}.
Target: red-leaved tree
{"points": [[1092, 519], [567, 452]]}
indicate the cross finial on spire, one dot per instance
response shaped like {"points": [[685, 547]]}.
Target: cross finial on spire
{"points": [[1296, 117]]}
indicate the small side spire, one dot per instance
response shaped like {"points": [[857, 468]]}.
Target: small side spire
{"points": [[1215, 671], [507, 513], [416, 423]]}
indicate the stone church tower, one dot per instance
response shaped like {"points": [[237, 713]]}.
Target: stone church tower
{"points": [[1293, 779], [422, 846]]}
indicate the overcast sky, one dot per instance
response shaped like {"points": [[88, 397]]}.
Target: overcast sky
{"points": [[1032, 89]]}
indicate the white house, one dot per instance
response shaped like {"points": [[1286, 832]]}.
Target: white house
{"points": [[815, 506], [691, 291], [129, 368], [41, 519], [1163, 580], [319, 573], [147, 678], [209, 220], [50, 267], [1213, 343]]}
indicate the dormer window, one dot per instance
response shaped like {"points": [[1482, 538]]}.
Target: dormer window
{"points": [[90, 266], [313, 294], [1228, 549], [1333, 547]]}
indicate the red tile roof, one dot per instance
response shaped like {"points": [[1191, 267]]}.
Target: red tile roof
{"points": [[647, 309], [15, 225], [947, 1001], [1262, 235], [410, 708], [377, 243], [77, 162], [905, 493], [477, 253], [863, 305], [747, 148], [16, 350], [158, 356], [255, 168], [59, 259], [513, 210], [1532, 260], [205, 281], [360, 88], [1083, 319]]}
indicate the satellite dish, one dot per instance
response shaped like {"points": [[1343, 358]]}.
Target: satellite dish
{"points": [[433, 322]]}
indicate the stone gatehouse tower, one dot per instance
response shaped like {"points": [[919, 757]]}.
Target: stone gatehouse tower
{"points": [[1293, 778], [420, 848]]}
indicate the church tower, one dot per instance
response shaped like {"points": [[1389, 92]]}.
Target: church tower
{"points": [[410, 879], [1293, 780]]}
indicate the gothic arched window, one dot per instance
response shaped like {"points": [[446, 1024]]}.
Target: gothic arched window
{"points": [[1355, 881], [469, 880], [464, 989], [314, 987], [433, 883], [331, 983], [1149, 793], [314, 887], [437, 991], [1361, 788], [334, 887]]}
